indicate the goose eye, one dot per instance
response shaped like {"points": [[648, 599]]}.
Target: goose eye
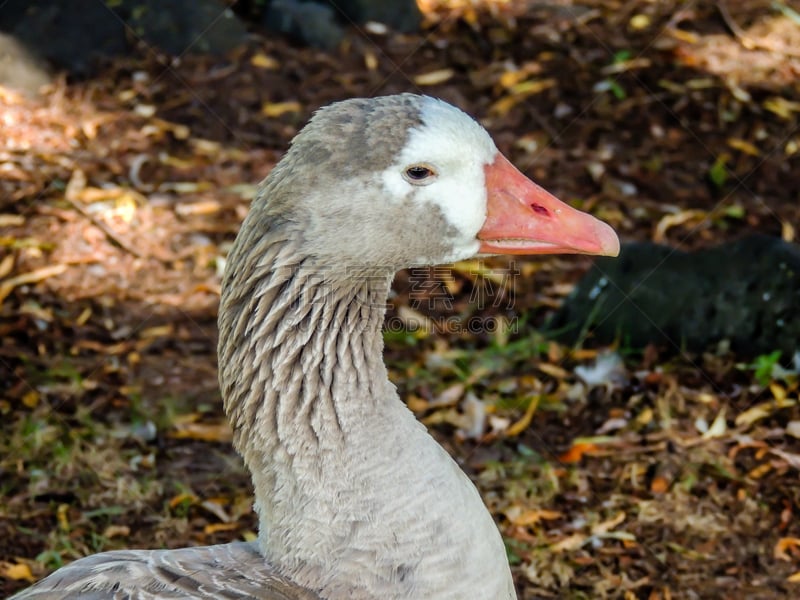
{"points": [[418, 174]]}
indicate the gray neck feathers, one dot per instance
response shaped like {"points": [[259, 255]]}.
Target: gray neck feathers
{"points": [[300, 350]]}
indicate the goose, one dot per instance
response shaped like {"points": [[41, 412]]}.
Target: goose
{"points": [[355, 499]]}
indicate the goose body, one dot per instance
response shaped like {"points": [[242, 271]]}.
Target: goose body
{"points": [[355, 499]]}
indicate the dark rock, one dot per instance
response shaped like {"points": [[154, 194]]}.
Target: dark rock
{"points": [[74, 34], [323, 24], [311, 23], [71, 34], [746, 292], [400, 15], [184, 26]]}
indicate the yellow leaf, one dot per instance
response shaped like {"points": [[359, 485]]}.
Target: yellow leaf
{"points": [[62, 518], [263, 61], [16, 571], [181, 499], [778, 392], [434, 77], [532, 86], [794, 577], [553, 370], [31, 399], [787, 231], [370, 61], [215, 527], [523, 423], [751, 415], [276, 109], [510, 78], [782, 107], [743, 146], [639, 22]]}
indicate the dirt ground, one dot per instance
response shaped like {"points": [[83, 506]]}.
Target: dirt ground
{"points": [[661, 476]]}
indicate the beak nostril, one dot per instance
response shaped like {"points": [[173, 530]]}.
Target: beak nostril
{"points": [[539, 209]]}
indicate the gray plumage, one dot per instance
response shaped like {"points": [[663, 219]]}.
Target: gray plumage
{"points": [[355, 499], [233, 571]]}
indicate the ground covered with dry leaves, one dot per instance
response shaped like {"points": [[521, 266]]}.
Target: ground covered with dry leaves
{"points": [[657, 476]]}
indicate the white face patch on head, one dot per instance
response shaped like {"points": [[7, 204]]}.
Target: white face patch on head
{"points": [[457, 149]]}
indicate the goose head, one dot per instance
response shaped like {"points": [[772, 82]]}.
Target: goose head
{"points": [[404, 180]]}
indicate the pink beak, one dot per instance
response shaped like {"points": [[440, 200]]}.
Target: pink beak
{"points": [[522, 218]]}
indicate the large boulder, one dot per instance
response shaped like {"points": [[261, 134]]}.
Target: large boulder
{"points": [[745, 292], [323, 24], [75, 34]]}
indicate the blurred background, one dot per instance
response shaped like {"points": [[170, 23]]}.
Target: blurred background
{"points": [[632, 425]]}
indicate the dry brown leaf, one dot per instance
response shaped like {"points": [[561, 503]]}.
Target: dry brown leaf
{"points": [[673, 220], [11, 220], [523, 518], [202, 207], [8, 285], [792, 459], [784, 548], [113, 531], [609, 524], [206, 432], [573, 542]]}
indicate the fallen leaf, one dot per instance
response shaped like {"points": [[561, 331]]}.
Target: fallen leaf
{"points": [[434, 77], [576, 452], [784, 547], [8, 285], [610, 524], [743, 146], [215, 527], [673, 220], [264, 61], [16, 571], [522, 518], [276, 109], [525, 421], [659, 485], [206, 432], [573, 542], [718, 427]]}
